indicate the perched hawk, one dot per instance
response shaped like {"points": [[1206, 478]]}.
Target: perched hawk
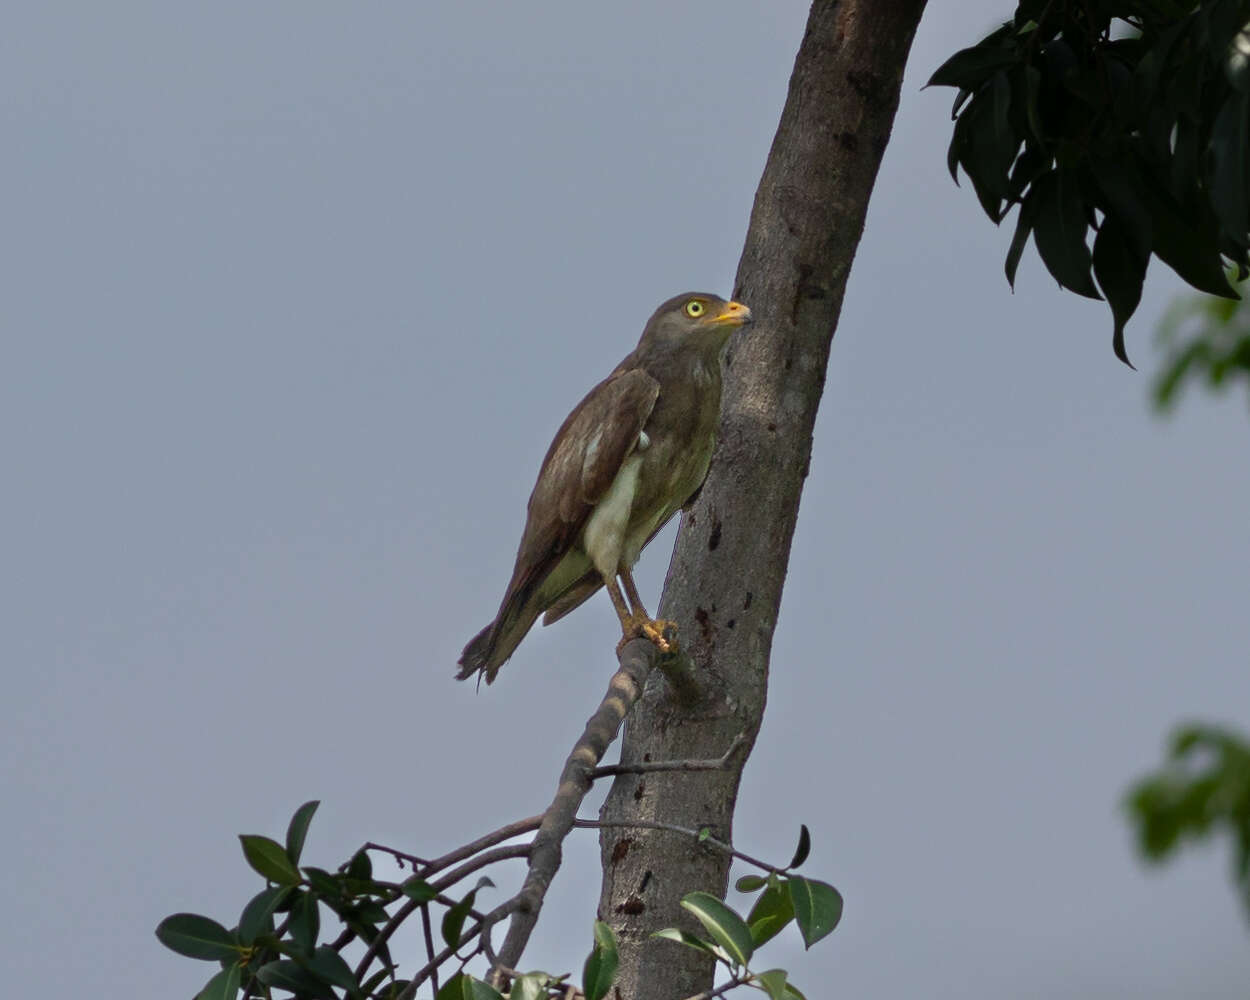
{"points": [[630, 456]]}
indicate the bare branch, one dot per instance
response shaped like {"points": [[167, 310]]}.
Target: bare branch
{"points": [[647, 767], [504, 853], [637, 658], [428, 934], [399, 856], [698, 835], [489, 840]]}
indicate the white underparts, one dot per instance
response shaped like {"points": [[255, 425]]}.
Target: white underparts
{"points": [[604, 534]]}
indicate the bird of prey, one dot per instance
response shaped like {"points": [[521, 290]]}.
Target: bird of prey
{"points": [[630, 455]]}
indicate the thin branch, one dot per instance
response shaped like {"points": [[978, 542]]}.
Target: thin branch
{"points": [[721, 990], [429, 946], [505, 853], [720, 763], [399, 856], [637, 658], [699, 835], [431, 967], [521, 826], [405, 911]]}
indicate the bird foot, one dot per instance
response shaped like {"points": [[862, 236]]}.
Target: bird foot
{"points": [[660, 631]]}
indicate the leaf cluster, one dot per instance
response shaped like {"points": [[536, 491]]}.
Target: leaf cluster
{"points": [[1127, 119], [784, 898], [277, 943], [1205, 338], [1202, 788]]}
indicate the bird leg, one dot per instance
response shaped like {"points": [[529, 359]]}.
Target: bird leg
{"points": [[642, 623]]}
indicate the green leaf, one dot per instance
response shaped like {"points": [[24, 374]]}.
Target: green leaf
{"points": [[462, 986], [1229, 169], [257, 916], [751, 883], [269, 859], [817, 907], [689, 940], [322, 882], [773, 982], [223, 986], [287, 974], [360, 867], [804, 849], [1121, 273], [195, 936], [328, 964], [727, 928], [1059, 231], [970, 67], [305, 922], [770, 914], [600, 968], [418, 889], [297, 829], [1024, 226], [453, 920], [532, 986], [1179, 243], [793, 991]]}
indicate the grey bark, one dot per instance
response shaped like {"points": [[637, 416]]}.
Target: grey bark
{"points": [[725, 581]]}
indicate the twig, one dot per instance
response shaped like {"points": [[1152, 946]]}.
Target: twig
{"points": [[399, 856], [721, 990], [718, 764], [643, 824], [432, 966], [489, 840], [429, 946], [405, 911], [636, 661], [505, 853]]}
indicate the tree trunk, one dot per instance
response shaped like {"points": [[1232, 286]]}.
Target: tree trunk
{"points": [[724, 583]]}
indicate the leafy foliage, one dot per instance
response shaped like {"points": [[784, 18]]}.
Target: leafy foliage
{"points": [[1127, 118], [814, 906], [277, 945], [1202, 788], [1205, 338]]}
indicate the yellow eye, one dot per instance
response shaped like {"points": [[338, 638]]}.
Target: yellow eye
{"points": [[695, 308]]}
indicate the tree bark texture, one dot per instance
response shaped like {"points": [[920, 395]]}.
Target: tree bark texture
{"points": [[725, 581]]}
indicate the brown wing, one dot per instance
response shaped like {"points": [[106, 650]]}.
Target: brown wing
{"points": [[577, 471], [580, 465]]}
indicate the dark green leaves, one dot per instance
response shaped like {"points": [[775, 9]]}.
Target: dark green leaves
{"points": [[453, 919], [817, 907], [1202, 788], [804, 848], [1059, 229], [726, 928], [197, 937], [600, 968], [771, 912], [223, 986], [464, 987], [297, 830], [269, 858], [1144, 139]]}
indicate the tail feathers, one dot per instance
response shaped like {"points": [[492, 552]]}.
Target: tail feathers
{"points": [[476, 656], [490, 648]]}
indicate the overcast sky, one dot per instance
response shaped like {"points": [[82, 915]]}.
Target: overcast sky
{"points": [[294, 297]]}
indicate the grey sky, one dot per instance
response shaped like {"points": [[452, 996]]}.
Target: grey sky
{"points": [[295, 295]]}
